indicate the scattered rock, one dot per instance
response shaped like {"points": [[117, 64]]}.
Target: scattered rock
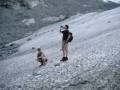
{"points": [[19, 86], [108, 21], [35, 74], [84, 82], [29, 39], [12, 44], [8, 33], [15, 87], [2, 85], [57, 64], [3, 46], [33, 48]]}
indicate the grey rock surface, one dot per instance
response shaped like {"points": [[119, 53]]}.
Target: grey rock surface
{"points": [[15, 16]]}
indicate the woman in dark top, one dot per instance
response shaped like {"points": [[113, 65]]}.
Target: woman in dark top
{"points": [[65, 33]]}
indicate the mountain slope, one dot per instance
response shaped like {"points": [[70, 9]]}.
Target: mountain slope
{"points": [[20, 18], [94, 58]]}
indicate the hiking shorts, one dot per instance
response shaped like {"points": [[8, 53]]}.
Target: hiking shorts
{"points": [[64, 44]]}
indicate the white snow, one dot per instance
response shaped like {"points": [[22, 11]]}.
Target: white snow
{"points": [[53, 19], [94, 48], [33, 3], [116, 1], [28, 21]]}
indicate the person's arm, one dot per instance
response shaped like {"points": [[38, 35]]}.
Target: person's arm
{"points": [[68, 38], [61, 27], [61, 31]]}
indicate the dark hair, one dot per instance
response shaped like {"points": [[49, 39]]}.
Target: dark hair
{"points": [[67, 26], [39, 49]]}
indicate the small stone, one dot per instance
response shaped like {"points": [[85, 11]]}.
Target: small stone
{"points": [[2, 85], [58, 64], [12, 44], [33, 48], [29, 39], [19, 86], [109, 22]]}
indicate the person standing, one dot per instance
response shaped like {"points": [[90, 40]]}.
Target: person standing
{"points": [[65, 39]]}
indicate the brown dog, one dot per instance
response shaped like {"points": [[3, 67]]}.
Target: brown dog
{"points": [[41, 57]]}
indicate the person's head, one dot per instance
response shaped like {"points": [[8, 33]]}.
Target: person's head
{"points": [[39, 49], [66, 27]]}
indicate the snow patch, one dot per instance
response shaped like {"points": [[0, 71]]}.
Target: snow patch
{"points": [[28, 21], [116, 1], [33, 3], [53, 19]]}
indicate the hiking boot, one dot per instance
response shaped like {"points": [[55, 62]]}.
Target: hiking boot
{"points": [[66, 58], [63, 59]]}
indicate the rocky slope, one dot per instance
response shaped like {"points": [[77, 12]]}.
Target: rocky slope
{"points": [[94, 56], [20, 18]]}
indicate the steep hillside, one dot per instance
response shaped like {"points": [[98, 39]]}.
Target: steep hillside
{"points": [[94, 56], [20, 18]]}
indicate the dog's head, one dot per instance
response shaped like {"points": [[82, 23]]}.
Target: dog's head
{"points": [[39, 49]]}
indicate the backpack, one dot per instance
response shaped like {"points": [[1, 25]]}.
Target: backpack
{"points": [[71, 37]]}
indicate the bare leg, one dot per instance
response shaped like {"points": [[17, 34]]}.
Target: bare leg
{"points": [[66, 50], [63, 48]]}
